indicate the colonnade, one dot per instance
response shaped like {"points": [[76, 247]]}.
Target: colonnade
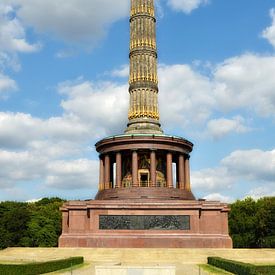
{"points": [[106, 179]]}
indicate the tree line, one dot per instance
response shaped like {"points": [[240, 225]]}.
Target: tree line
{"points": [[38, 224]]}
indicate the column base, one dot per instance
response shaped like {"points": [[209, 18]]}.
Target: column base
{"points": [[143, 125]]}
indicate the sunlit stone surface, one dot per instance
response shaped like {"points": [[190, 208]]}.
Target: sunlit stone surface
{"points": [[135, 270]]}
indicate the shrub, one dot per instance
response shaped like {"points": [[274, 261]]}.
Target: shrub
{"points": [[231, 266], [39, 268], [239, 267]]}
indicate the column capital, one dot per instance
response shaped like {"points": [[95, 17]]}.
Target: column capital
{"points": [[187, 156]]}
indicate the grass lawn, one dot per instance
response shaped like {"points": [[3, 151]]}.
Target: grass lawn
{"points": [[214, 270]]}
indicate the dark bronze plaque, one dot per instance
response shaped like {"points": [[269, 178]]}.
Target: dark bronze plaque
{"points": [[144, 222]]}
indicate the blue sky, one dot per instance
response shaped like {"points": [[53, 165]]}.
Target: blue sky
{"points": [[63, 86]]}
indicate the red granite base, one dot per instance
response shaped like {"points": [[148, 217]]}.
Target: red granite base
{"points": [[208, 224], [148, 241]]}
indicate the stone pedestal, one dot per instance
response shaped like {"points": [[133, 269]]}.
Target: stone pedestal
{"points": [[204, 225]]}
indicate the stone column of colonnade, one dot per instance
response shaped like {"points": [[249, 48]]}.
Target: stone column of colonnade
{"points": [[183, 171], [183, 168], [101, 174], [169, 170], [135, 168], [153, 168], [118, 170], [107, 174], [143, 112], [187, 184]]}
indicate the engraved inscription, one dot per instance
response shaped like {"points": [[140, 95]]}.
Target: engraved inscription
{"points": [[144, 222]]}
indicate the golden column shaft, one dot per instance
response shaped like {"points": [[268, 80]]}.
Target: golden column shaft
{"points": [[143, 80]]}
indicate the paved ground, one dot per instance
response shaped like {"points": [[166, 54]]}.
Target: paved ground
{"points": [[117, 269], [139, 255], [183, 260]]}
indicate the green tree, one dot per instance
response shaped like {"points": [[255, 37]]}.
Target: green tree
{"points": [[266, 222], [44, 228], [242, 223], [252, 223], [14, 217]]}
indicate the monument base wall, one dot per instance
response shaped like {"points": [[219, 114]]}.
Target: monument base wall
{"points": [[145, 224], [148, 241]]}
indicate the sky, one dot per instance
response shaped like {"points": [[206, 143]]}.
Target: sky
{"points": [[64, 86]]}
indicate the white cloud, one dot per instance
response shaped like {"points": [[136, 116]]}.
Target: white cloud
{"points": [[102, 106], [54, 149], [262, 191], [212, 179], [241, 83], [58, 129], [269, 32], [7, 85], [218, 128], [74, 21], [12, 33], [80, 173], [246, 82], [218, 197], [9, 60], [20, 166], [123, 71], [253, 166], [13, 125], [48, 150], [186, 6], [185, 96], [28, 166], [33, 200], [12, 41]]}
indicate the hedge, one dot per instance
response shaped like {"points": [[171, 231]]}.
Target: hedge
{"points": [[39, 267], [266, 269], [240, 268]]}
